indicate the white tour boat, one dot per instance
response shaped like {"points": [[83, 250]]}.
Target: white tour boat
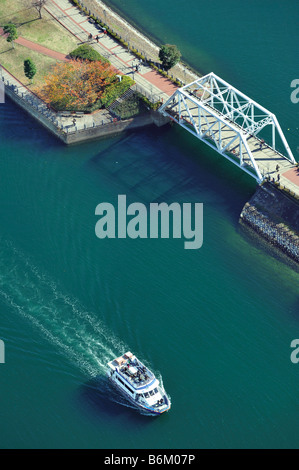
{"points": [[138, 383]]}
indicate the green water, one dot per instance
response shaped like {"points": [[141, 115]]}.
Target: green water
{"points": [[215, 323]]}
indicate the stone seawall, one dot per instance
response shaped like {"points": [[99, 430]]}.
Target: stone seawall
{"points": [[135, 38], [33, 112], [115, 128], [274, 216], [89, 133]]}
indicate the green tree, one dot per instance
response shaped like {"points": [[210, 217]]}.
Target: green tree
{"points": [[169, 55], [29, 69], [11, 30]]}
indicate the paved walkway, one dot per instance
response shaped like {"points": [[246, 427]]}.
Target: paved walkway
{"points": [[148, 81], [135, 38]]}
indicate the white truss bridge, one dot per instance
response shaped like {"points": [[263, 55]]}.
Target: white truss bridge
{"points": [[237, 127]]}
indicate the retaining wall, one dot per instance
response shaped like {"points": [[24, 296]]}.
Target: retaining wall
{"points": [[96, 132], [274, 216], [34, 113], [115, 128]]}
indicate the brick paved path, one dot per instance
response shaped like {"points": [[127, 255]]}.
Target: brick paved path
{"points": [[38, 48]]}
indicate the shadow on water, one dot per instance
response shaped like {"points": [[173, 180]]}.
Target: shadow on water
{"points": [[98, 397], [260, 243], [151, 164], [165, 164], [19, 123]]}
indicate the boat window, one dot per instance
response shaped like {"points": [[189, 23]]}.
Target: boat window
{"points": [[152, 393], [124, 384], [146, 395], [156, 390]]}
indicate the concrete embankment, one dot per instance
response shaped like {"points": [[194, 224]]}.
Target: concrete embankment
{"points": [[71, 136], [135, 37], [275, 216], [114, 128], [33, 111]]}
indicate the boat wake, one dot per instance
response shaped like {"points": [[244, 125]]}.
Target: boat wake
{"points": [[62, 320], [78, 333]]}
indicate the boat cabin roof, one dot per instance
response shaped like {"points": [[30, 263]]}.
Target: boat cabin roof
{"points": [[132, 371]]}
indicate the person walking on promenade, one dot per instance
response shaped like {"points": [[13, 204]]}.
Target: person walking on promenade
{"points": [[277, 167]]}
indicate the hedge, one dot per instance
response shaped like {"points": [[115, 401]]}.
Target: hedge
{"points": [[86, 52], [115, 90]]}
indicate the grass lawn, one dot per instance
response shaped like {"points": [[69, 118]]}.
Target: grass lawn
{"points": [[45, 31], [13, 61]]}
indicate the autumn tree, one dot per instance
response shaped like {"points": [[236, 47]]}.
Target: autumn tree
{"points": [[76, 85]]}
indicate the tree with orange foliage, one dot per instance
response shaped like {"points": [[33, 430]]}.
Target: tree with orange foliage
{"points": [[76, 85]]}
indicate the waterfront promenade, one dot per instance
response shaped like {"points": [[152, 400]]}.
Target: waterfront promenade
{"points": [[149, 82], [156, 87]]}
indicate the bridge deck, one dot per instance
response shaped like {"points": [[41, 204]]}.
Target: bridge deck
{"points": [[265, 156], [232, 124]]}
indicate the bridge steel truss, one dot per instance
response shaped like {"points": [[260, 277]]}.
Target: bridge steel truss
{"points": [[226, 120]]}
